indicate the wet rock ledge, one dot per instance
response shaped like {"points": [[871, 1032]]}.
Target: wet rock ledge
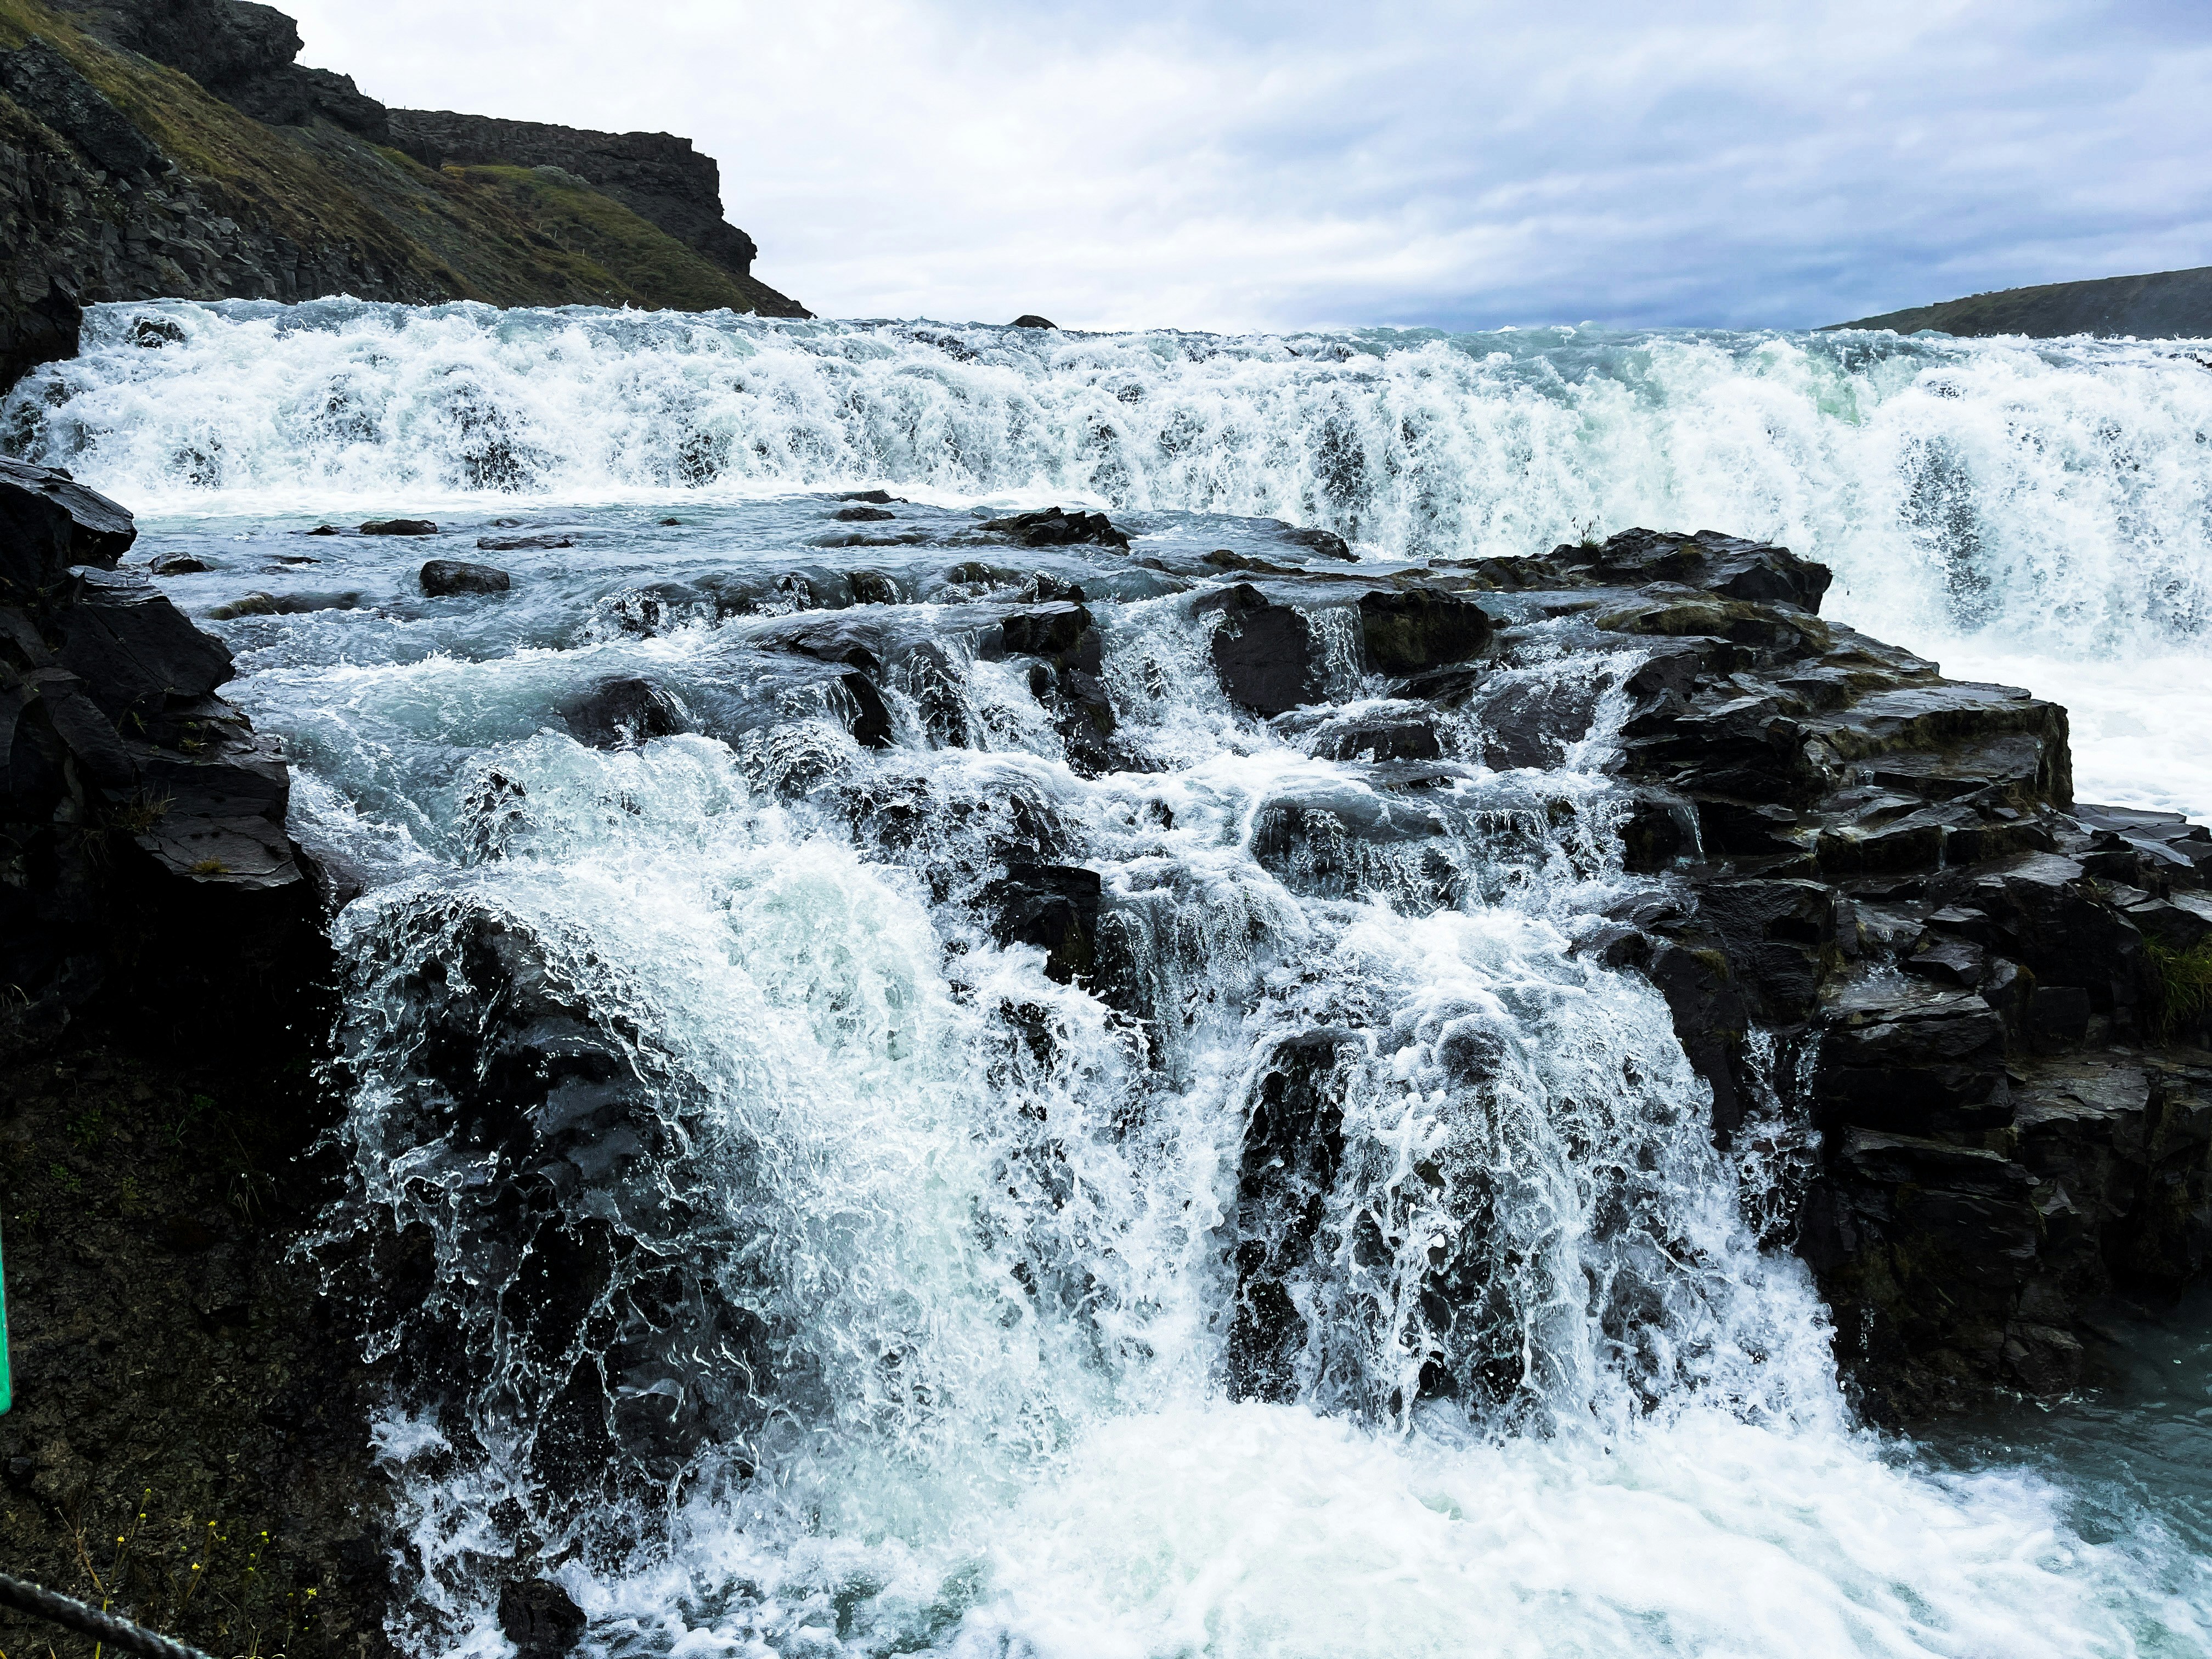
{"points": [[179, 1383], [1880, 906]]}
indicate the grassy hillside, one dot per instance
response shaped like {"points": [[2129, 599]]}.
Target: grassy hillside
{"points": [[2163, 305], [386, 226]]}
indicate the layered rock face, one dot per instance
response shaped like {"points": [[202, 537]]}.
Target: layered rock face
{"points": [[138, 806], [162, 948], [660, 177], [1982, 995], [155, 150]]}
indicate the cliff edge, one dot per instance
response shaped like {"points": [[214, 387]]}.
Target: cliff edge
{"points": [[176, 147]]}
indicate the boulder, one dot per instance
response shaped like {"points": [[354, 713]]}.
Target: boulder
{"points": [[862, 514], [1414, 630], [179, 564], [399, 527], [871, 587], [1030, 320], [1054, 527], [283, 604], [1053, 906], [1267, 654], [1326, 543], [443, 578], [623, 712], [511, 544], [540, 1617]]}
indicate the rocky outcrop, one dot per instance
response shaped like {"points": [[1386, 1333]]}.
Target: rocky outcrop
{"points": [[1880, 908], [137, 806], [656, 176], [167, 990], [156, 150]]}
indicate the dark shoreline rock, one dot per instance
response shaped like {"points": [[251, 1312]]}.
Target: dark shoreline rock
{"points": [[161, 1059]]}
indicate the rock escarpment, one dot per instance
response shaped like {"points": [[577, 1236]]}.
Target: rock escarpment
{"points": [[659, 177], [1877, 899], [166, 976], [156, 150]]}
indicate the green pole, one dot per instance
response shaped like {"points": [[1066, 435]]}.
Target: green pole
{"points": [[7, 1388]]}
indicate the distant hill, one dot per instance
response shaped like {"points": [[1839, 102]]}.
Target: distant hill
{"points": [[175, 148], [2166, 305]]}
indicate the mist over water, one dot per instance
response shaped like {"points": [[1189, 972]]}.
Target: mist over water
{"points": [[913, 1290]]}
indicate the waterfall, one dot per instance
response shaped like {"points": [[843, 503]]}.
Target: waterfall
{"points": [[761, 1238]]}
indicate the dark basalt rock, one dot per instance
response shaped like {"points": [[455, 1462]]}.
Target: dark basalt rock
{"points": [[179, 564], [283, 604], [514, 544], [868, 718], [399, 527], [862, 514], [1266, 653], [623, 713], [540, 1617], [1054, 527], [1724, 565], [443, 578], [138, 810], [1326, 543], [1884, 870], [167, 979], [47, 524], [1045, 630], [1053, 906], [1410, 735], [1414, 630], [1293, 1147], [1030, 320], [525, 1090]]}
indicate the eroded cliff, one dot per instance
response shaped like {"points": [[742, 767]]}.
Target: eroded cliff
{"points": [[152, 149]]}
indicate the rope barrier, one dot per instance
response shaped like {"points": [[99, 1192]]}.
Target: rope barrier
{"points": [[73, 1615]]}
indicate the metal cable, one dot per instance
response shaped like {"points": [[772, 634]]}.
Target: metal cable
{"points": [[73, 1615]]}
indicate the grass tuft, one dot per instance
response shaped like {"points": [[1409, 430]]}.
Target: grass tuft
{"points": [[2181, 988]]}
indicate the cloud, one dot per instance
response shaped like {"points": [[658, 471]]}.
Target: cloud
{"points": [[1237, 165]]}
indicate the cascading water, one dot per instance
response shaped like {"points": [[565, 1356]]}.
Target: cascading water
{"points": [[1338, 1261]]}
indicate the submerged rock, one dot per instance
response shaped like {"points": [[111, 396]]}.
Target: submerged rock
{"points": [[399, 527], [1053, 906]]}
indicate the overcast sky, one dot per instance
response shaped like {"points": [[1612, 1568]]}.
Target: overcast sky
{"points": [[1231, 164]]}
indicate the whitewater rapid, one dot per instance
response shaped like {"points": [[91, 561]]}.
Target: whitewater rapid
{"points": [[2038, 512], [933, 1243]]}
